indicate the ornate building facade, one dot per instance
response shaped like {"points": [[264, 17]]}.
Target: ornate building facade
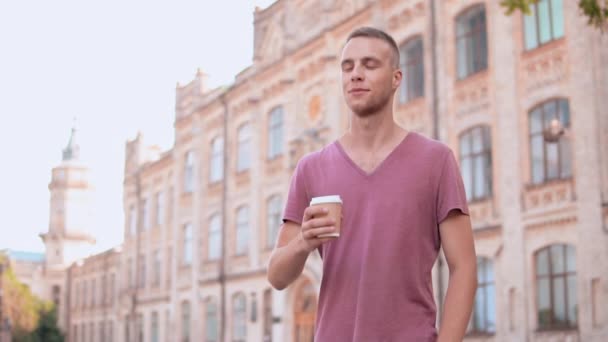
{"points": [[520, 99]]}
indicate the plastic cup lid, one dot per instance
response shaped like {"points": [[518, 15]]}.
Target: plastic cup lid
{"points": [[326, 199]]}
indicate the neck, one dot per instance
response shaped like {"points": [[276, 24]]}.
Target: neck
{"points": [[373, 131]]}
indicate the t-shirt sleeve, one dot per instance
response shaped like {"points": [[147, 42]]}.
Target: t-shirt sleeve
{"points": [[297, 198], [450, 191]]}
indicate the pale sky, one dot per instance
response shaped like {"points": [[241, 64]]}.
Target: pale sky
{"points": [[113, 65]]}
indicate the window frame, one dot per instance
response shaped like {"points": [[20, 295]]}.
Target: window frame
{"points": [[563, 145], [211, 307], [475, 34], [273, 213], [485, 154], [241, 227], [484, 265], [216, 160], [214, 237], [239, 317], [189, 172], [411, 60], [552, 276], [187, 244], [244, 148], [275, 133], [186, 317], [534, 8]]}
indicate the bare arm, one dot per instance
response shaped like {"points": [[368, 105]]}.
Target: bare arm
{"points": [[459, 249], [294, 244]]}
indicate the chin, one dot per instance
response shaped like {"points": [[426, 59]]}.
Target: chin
{"points": [[363, 112]]}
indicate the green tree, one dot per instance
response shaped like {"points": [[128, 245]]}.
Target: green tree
{"points": [[596, 11], [47, 329], [32, 320]]}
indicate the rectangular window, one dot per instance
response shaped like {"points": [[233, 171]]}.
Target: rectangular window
{"points": [[471, 42], [169, 267], [189, 172], [211, 322], [268, 315], [142, 271], [132, 220], [239, 317], [476, 162], [244, 148], [215, 238], [112, 287], [185, 322], [104, 290], [160, 208], [556, 287], [550, 154], [187, 245], [275, 133], [93, 294], [145, 214], [154, 327], [412, 66], [273, 220], [156, 269], [545, 23], [242, 230], [217, 160], [484, 311]]}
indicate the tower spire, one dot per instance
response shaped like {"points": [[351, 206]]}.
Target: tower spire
{"points": [[72, 150]]}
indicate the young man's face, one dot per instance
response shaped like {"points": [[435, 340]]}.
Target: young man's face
{"points": [[369, 75]]}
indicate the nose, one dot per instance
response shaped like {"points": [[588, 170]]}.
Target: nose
{"points": [[356, 74]]}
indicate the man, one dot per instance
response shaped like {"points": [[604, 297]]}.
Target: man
{"points": [[403, 198]]}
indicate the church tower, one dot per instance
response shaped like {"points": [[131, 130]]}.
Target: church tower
{"points": [[67, 239]]}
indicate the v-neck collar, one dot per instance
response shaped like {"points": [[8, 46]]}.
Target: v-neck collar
{"points": [[380, 165]]}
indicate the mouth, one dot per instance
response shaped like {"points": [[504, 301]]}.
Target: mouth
{"points": [[358, 91]]}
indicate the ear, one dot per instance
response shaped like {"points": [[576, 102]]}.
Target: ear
{"points": [[397, 76]]}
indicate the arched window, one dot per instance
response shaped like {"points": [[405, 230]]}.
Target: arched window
{"points": [[275, 133], [471, 41], [549, 160], [185, 322], [412, 66], [544, 23], [217, 160], [242, 230], [556, 298], [243, 161], [273, 219], [483, 319], [476, 162], [239, 318], [211, 321], [215, 238]]}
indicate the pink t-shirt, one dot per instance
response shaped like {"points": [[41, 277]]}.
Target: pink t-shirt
{"points": [[376, 284]]}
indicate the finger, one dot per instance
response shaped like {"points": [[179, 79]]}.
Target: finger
{"points": [[322, 230], [318, 222], [310, 212]]}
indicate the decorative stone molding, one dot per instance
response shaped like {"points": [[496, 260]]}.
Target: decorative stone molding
{"points": [[544, 68], [551, 221], [412, 114], [416, 11], [483, 214], [547, 196], [472, 95]]}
